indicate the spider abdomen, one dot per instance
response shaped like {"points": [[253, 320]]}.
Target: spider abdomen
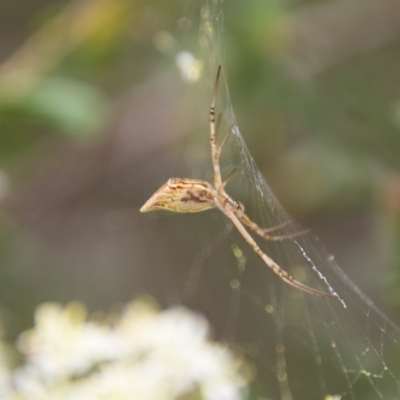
{"points": [[182, 195]]}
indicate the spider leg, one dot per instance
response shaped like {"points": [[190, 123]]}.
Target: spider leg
{"points": [[214, 129], [276, 269], [274, 228], [229, 131], [215, 151], [264, 232], [228, 178], [217, 129]]}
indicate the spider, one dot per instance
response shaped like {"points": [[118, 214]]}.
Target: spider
{"points": [[193, 195]]}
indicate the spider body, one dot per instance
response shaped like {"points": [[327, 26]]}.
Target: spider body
{"points": [[193, 195], [182, 195], [188, 196]]}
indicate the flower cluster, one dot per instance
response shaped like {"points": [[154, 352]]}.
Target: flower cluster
{"points": [[140, 354]]}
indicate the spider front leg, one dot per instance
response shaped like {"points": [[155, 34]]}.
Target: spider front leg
{"points": [[215, 150], [214, 129]]}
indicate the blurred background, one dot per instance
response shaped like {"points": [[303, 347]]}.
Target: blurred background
{"points": [[95, 115]]}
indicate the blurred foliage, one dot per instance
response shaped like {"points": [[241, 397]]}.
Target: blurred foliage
{"points": [[74, 107]]}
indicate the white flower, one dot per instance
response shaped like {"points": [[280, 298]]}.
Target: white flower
{"points": [[63, 344], [145, 354]]}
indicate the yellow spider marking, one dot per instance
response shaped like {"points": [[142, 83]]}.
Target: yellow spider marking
{"points": [[181, 195]]}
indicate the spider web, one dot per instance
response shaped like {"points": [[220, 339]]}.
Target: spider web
{"points": [[304, 347]]}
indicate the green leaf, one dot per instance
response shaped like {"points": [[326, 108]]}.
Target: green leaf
{"points": [[72, 106]]}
